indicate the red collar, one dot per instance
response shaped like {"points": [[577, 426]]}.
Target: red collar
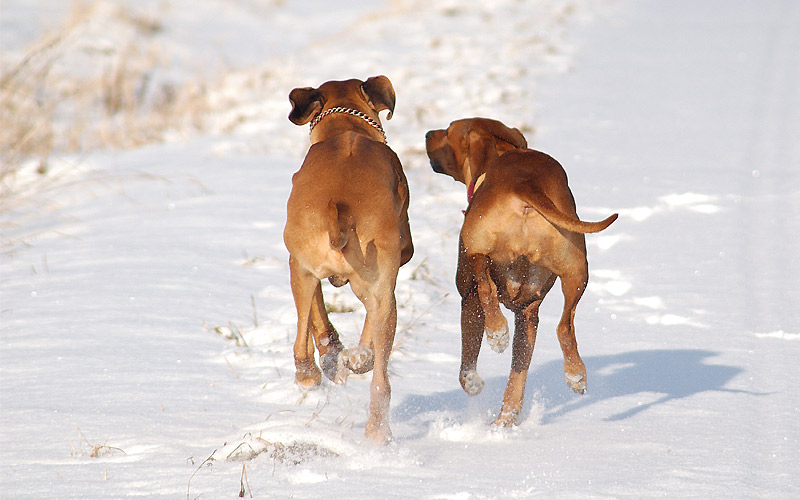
{"points": [[473, 186]]}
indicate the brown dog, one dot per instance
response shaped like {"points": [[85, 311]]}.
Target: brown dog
{"points": [[520, 232], [347, 221]]}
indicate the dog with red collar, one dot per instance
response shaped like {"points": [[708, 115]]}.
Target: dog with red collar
{"points": [[521, 231]]}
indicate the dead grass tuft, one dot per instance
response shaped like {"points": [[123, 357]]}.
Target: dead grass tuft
{"points": [[293, 453], [95, 450], [92, 84]]}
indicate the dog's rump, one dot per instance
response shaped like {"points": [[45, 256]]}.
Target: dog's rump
{"points": [[544, 189]]}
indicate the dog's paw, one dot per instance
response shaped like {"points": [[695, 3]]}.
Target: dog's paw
{"points": [[471, 382], [378, 432], [334, 367], [307, 376], [576, 382], [307, 381], [507, 419], [359, 359], [498, 340]]}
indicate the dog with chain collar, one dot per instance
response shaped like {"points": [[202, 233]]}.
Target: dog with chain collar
{"points": [[347, 222]]}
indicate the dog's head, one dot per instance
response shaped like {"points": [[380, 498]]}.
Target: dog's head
{"points": [[369, 97], [467, 146]]}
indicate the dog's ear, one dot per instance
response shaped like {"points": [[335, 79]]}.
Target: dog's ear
{"points": [[515, 137], [481, 149], [380, 94], [504, 133], [306, 103]]}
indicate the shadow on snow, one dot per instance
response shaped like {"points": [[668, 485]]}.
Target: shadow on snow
{"points": [[675, 374]]}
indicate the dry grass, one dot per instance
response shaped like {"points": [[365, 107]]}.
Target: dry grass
{"points": [[293, 453], [95, 450], [290, 454], [89, 85], [27, 120]]}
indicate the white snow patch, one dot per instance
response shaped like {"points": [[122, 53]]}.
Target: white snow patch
{"points": [[606, 242], [461, 495], [307, 476], [693, 202], [473, 431], [688, 200], [650, 302], [672, 320], [780, 334], [638, 214]]}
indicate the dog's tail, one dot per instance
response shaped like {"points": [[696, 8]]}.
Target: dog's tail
{"points": [[340, 222], [542, 204]]}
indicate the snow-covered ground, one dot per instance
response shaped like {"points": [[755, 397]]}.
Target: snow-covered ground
{"points": [[145, 315]]}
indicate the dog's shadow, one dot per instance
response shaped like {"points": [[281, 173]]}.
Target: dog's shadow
{"points": [[675, 374]]}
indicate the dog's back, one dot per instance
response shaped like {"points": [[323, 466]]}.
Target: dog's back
{"points": [[527, 184], [347, 184]]}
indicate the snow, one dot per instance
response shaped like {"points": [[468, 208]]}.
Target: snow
{"points": [[146, 322]]}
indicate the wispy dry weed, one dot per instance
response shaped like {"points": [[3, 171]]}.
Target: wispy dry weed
{"points": [[91, 84], [95, 449]]}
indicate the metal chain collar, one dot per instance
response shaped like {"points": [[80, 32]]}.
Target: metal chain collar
{"points": [[348, 111]]}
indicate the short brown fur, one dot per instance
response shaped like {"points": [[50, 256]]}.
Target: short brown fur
{"points": [[347, 221], [521, 231]]}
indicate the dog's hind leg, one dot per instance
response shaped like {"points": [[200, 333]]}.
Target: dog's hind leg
{"points": [[377, 428], [472, 324], [574, 370], [327, 340], [379, 330], [496, 326], [304, 286], [360, 359], [526, 323]]}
